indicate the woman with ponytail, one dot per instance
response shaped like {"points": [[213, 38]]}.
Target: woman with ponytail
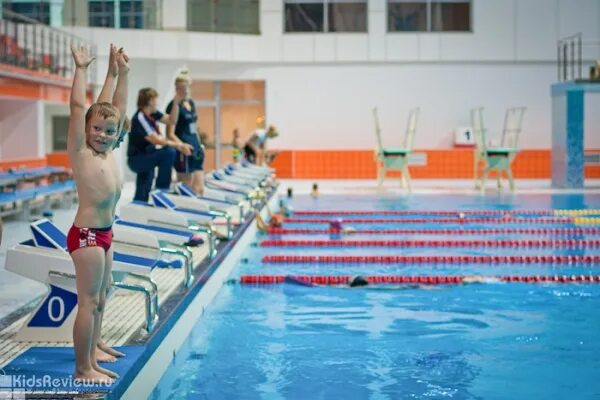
{"points": [[189, 167]]}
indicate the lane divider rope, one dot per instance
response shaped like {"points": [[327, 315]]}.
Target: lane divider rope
{"points": [[486, 231], [457, 220], [586, 221], [572, 213], [424, 212], [562, 244], [593, 260], [401, 279]]}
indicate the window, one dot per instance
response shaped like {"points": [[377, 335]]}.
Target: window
{"points": [[101, 13], [449, 16], [347, 16], [407, 17], [131, 14], [429, 15], [325, 15], [60, 126], [37, 10], [304, 17], [225, 16]]}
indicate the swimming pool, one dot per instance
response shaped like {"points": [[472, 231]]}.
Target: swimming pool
{"points": [[503, 340]]}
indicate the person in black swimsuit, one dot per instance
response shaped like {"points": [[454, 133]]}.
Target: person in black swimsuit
{"points": [[189, 167]]}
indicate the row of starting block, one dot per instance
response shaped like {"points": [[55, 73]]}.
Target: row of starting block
{"points": [[23, 190], [174, 230]]}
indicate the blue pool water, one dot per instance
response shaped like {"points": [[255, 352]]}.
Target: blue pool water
{"points": [[492, 341]]}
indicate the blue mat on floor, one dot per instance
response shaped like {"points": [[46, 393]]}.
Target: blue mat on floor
{"points": [[52, 363]]}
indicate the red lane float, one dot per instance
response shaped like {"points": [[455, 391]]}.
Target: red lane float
{"points": [[432, 259], [423, 212], [423, 280], [458, 220], [562, 244], [489, 231]]}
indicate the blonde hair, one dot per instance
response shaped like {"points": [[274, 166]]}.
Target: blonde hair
{"points": [[183, 77], [103, 109]]}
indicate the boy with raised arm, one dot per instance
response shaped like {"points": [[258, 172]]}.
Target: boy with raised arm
{"points": [[91, 138]]}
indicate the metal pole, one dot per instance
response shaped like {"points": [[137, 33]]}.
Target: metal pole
{"points": [[565, 56], [51, 51], [573, 59], [558, 59], [65, 55], [3, 34], [217, 97], [579, 60]]}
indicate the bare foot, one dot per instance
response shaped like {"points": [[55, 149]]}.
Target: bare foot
{"points": [[102, 356], [110, 350], [93, 377], [105, 371]]}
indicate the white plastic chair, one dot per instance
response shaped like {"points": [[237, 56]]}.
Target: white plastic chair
{"points": [[395, 159], [496, 158]]}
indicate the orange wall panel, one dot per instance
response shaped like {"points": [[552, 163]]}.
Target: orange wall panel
{"points": [[23, 163], [441, 164], [35, 85], [58, 159]]}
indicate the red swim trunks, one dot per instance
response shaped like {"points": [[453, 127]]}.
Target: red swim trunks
{"points": [[79, 238]]}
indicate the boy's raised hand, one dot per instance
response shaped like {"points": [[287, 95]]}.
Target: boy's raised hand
{"points": [[113, 66], [123, 61], [80, 56]]}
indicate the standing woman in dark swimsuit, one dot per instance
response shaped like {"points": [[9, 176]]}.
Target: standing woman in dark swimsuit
{"points": [[189, 168]]}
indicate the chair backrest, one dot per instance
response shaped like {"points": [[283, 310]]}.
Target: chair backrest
{"points": [[411, 129], [478, 128], [512, 126], [378, 142]]}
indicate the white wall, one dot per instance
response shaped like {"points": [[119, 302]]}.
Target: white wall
{"points": [[503, 30], [21, 129], [329, 107], [321, 87]]}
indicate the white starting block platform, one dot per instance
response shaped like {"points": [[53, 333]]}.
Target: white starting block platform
{"points": [[142, 264]]}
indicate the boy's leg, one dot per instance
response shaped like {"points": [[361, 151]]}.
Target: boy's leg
{"points": [[105, 353], [98, 321], [89, 271]]}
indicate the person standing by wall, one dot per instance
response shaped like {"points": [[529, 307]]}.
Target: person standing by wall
{"points": [[189, 167]]}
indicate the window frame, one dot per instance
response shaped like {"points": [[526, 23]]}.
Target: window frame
{"points": [[9, 4], [214, 25], [131, 15], [428, 15], [326, 29], [115, 17]]}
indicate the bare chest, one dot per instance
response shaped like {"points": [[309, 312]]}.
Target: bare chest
{"points": [[98, 180]]}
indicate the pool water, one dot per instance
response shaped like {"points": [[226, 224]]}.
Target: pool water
{"points": [[489, 341]]}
